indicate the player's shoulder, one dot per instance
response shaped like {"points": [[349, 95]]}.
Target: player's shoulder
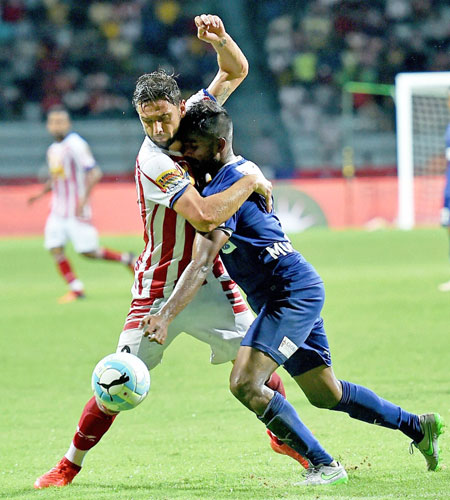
{"points": [[240, 167], [74, 139], [150, 154], [246, 167], [447, 132], [157, 165], [201, 95]]}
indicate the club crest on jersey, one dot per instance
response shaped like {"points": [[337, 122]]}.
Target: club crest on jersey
{"points": [[170, 179], [279, 248], [228, 247]]}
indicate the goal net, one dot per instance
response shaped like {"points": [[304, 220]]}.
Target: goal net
{"points": [[422, 116]]}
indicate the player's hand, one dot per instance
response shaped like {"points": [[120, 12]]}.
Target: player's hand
{"points": [[210, 28], [155, 328], [264, 188]]}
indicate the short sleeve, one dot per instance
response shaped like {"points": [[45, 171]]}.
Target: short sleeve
{"points": [[163, 181], [201, 95], [82, 151]]}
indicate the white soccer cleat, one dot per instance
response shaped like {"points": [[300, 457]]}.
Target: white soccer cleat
{"points": [[323, 475]]}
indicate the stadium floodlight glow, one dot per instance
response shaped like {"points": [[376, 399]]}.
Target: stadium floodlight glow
{"points": [[422, 116]]}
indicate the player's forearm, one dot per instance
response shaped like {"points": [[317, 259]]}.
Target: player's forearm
{"points": [[230, 58], [233, 68], [92, 179], [46, 188], [185, 290]]}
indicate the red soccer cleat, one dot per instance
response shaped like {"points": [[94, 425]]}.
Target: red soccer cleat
{"points": [[61, 475], [71, 296], [283, 449]]}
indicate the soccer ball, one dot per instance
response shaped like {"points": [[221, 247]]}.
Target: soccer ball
{"points": [[120, 381]]}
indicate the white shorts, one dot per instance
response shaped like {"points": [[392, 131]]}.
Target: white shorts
{"points": [[59, 230], [209, 318]]}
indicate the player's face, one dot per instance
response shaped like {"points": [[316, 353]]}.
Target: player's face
{"points": [[58, 124], [201, 151], [161, 120]]}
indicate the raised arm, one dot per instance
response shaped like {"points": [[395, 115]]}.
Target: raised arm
{"points": [[205, 249], [233, 65], [205, 214]]}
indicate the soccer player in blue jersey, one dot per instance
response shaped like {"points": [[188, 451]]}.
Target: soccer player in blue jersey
{"points": [[445, 212], [288, 294]]}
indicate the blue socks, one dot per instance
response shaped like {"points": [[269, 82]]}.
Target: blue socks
{"points": [[281, 418], [363, 404]]}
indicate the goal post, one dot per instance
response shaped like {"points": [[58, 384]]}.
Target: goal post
{"points": [[422, 116]]}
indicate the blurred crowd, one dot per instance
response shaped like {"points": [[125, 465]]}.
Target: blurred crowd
{"points": [[314, 47], [88, 54]]}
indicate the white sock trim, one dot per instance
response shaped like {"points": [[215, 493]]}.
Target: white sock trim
{"points": [[75, 455]]}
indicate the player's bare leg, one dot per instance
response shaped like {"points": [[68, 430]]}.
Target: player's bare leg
{"points": [[247, 383], [94, 423], [324, 390], [64, 267], [126, 258]]}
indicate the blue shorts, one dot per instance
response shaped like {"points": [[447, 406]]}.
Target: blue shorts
{"points": [[445, 212], [290, 330]]}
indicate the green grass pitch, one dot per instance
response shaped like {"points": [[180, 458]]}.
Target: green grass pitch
{"points": [[389, 329]]}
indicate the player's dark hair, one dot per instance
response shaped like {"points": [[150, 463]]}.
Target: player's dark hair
{"points": [[206, 118], [156, 86], [58, 108]]}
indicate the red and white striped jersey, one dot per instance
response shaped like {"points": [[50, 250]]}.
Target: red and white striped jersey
{"points": [[68, 161], [160, 180]]}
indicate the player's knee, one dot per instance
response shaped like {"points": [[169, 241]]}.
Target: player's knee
{"points": [[242, 387], [325, 400], [90, 255]]}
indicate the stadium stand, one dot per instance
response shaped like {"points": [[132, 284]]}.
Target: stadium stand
{"points": [[87, 55]]}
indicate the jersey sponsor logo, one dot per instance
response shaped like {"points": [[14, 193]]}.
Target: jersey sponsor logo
{"points": [[287, 347], [228, 247], [169, 180], [279, 248]]}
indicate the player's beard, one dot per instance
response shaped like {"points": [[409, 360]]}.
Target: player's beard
{"points": [[203, 167], [165, 144]]}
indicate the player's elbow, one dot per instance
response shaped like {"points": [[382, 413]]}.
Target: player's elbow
{"points": [[244, 69], [98, 174], [204, 225], [240, 73], [204, 220]]}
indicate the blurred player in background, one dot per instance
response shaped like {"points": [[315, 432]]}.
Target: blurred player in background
{"points": [[170, 208], [445, 212], [73, 173], [288, 295]]}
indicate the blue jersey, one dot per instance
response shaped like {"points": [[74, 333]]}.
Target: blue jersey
{"points": [[259, 255], [447, 156]]}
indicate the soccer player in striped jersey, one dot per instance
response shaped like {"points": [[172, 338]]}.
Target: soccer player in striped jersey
{"points": [[73, 174], [445, 211], [171, 208], [288, 294]]}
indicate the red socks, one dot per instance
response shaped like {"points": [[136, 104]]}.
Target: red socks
{"points": [[108, 254], [276, 384], [92, 425], [65, 269]]}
